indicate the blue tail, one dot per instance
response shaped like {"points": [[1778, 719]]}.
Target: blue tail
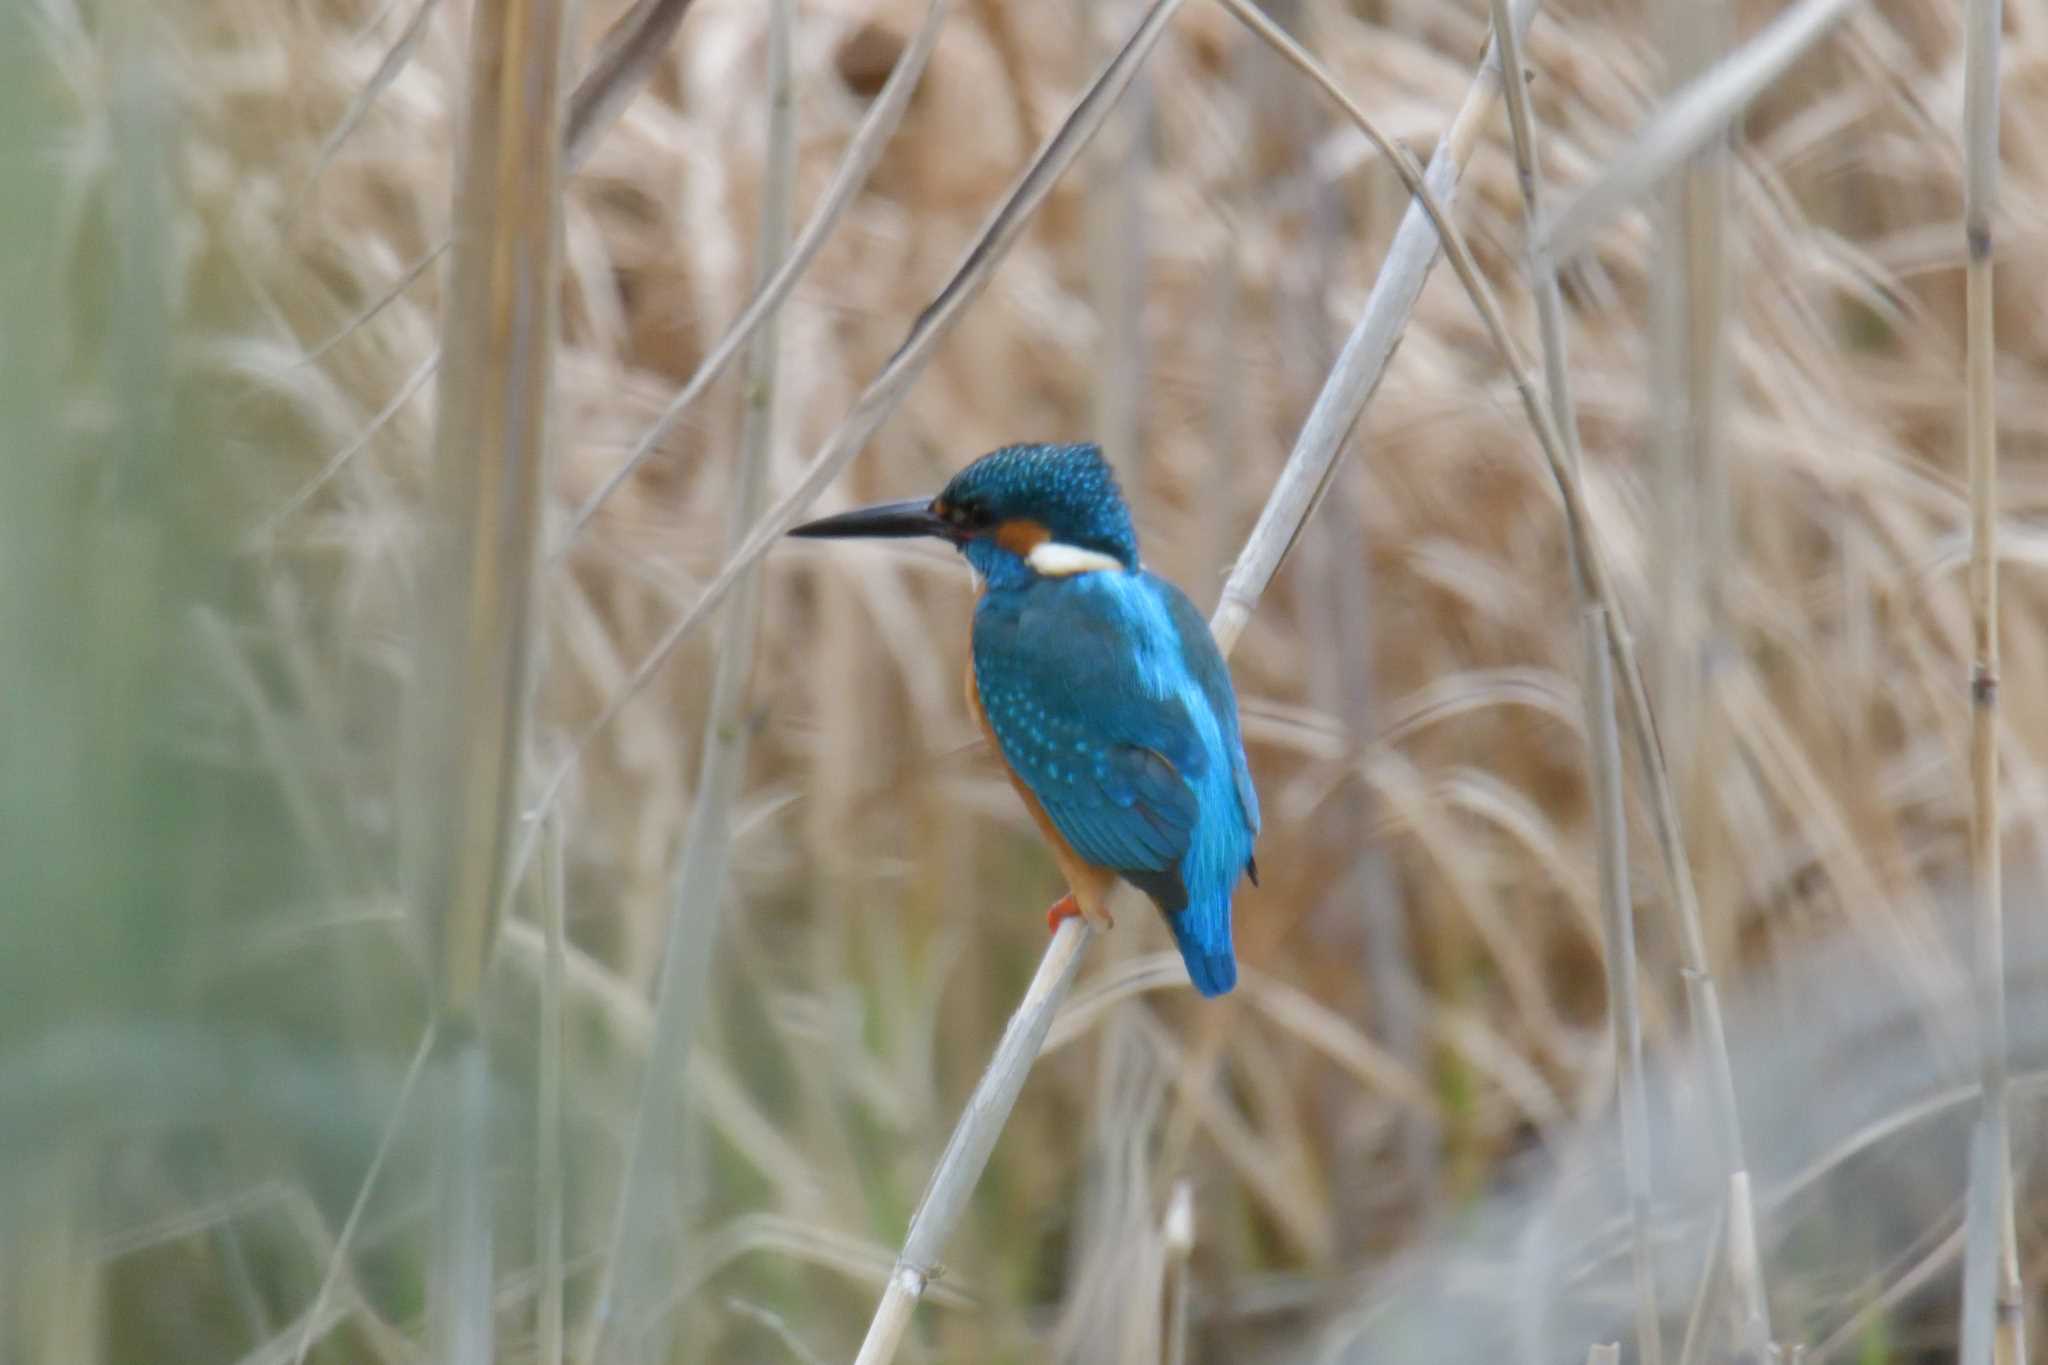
{"points": [[1204, 939]]}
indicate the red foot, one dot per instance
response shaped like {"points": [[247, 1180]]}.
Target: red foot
{"points": [[1066, 907]]}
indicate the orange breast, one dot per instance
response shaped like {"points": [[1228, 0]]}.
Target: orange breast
{"points": [[1089, 883]]}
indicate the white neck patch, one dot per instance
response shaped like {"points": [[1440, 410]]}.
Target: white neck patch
{"points": [[1056, 559]]}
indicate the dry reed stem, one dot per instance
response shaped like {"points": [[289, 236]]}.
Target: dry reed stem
{"points": [[698, 891], [1116, 233], [862, 153], [1604, 743], [461, 1275], [468, 700], [1624, 1014], [1682, 125], [1689, 289], [267, 529], [625, 59], [1177, 1233], [974, 1137], [394, 60], [889, 387], [551, 1116], [1407, 264], [1993, 1318]]}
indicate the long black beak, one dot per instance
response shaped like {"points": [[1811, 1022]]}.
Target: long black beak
{"points": [[895, 520]]}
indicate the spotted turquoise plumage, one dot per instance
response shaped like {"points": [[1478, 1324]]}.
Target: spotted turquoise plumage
{"points": [[1109, 699]]}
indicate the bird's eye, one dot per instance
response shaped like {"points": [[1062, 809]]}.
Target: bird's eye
{"points": [[967, 514]]}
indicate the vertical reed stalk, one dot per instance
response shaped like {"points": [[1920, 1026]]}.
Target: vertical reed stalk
{"points": [[637, 1270], [1117, 257], [552, 1120], [1177, 1232], [1994, 1324], [1688, 307], [1692, 304], [1702, 994], [1610, 819], [466, 710], [1625, 1023]]}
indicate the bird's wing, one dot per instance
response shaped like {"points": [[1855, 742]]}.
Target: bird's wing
{"points": [[1205, 664], [1059, 678]]}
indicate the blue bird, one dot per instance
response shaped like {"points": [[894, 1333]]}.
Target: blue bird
{"points": [[1101, 689]]}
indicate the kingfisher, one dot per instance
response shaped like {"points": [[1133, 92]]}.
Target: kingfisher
{"points": [[1098, 685]]}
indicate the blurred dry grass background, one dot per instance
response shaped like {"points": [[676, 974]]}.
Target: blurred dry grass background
{"points": [[1423, 1013]]}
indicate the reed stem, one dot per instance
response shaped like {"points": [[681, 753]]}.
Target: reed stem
{"points": [[1994, 1322], [468, 699], [638, 1271]]}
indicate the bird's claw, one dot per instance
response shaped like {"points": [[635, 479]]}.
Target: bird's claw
{"points": [[1066, 907]]}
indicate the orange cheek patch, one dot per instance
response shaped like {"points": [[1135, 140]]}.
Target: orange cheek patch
{"points": [[1021, 536]]}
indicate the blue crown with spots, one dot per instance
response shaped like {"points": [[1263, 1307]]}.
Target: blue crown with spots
{"points": [[1068, 489]]}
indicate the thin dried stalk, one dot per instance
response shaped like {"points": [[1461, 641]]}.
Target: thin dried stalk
{"points": [[393, 62], [1688, 310], [1351, 383], [862, 153], [1610, 818], [461, 1275], [636, 1270], [1178, 1235], [1691, 307], [1703, 109], [1993, 1321], [290, 507], [1117, 260], [467, 707], [548, 1098], [974, 1137], [888, 388], [625, 59], [1625, 1020], [1364, 911], [467, 703], [1347, 391], [405, 281]]}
